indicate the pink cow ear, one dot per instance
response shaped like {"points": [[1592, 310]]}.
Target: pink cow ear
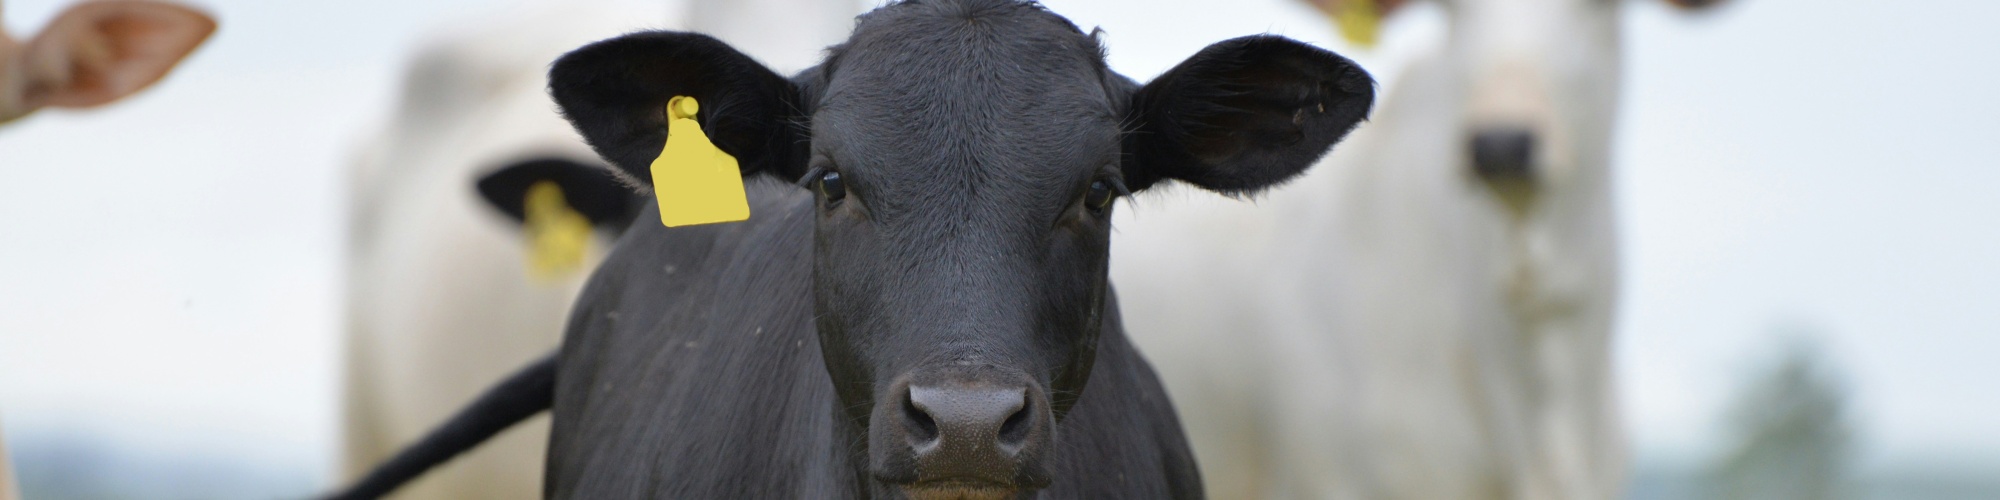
{"points": [[98, 52]]}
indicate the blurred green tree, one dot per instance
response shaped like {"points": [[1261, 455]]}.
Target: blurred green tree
{"points": [[1792, 438]]}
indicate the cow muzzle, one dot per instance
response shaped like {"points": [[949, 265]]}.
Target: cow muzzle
{"points": [[1503, 153], [962, 435], [1505, 160]]}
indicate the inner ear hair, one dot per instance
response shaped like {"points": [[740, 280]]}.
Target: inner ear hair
{"points": [[1244, 114]]}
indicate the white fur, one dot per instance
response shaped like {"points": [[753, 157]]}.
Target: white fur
{"points": [[440, 304], [1386, 328]]}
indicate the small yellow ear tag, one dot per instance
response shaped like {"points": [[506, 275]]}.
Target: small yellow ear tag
{"points": [[558, 236], [1359, 21], [695, 182]]}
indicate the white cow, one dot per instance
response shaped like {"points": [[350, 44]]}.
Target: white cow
{"points": [[442, 297], [1431, 311], [90, 55]]}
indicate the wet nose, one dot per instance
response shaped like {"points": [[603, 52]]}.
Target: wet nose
{"points": [[968, 431], [1504, 154]]}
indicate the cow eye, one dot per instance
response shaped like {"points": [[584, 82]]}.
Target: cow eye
{"points": [[1099, 197], [831, 187]]}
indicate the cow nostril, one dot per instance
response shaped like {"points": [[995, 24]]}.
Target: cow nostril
{"points": [[1014, 431], [1503, 154], [922, 428]]}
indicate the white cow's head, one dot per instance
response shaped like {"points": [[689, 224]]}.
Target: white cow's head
{"points": [[95, 53], [1539, 84]]}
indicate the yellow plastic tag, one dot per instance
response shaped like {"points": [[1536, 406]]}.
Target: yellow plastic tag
{"points": [[558, 236], [695, 182], [1359, 21]]}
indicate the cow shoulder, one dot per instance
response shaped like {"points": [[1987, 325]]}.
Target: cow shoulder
{"points": [[692, 342]]}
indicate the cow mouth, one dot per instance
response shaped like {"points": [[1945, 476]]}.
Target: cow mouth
{"points": [[959, 489]]}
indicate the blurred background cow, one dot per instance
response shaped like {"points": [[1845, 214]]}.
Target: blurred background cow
{"points": [[453, 287], [442, 295], [1432, 317]]}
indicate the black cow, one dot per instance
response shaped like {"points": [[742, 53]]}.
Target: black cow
{"points": [[930, 316]]}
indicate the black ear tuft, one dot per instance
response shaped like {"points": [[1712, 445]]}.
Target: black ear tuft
{"points": [[590, 189], [615, 93], [1245, 114]]}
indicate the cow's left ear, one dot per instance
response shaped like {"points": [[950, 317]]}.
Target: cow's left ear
{"points": [[1244, 114], [615, 93]]}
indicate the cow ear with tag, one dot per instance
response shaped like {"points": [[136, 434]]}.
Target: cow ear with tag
{"points": [[1244, 114], [588, 188], [616, 93], [559, 204]]}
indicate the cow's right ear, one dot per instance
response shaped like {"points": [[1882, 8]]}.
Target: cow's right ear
{"points": [[1243, 115], [615, 93]]}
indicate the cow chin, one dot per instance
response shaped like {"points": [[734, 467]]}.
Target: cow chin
{"points": [[959, 490]]}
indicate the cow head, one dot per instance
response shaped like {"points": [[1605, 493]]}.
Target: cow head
{"points": [[95, 53], [965, 157], [1540, 87]]}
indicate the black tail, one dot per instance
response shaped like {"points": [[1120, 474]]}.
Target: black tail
{"points": [[522, 395]]}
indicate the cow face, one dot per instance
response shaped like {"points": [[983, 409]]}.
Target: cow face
{"points": [[1541, 91], [965, 157], [1540, 88]]}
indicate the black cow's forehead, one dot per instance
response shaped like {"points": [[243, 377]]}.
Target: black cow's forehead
{"points": [[930, 94], [1021, 24], [959, 59]]}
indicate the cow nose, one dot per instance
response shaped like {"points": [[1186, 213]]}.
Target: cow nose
{"points": [[973, 432], [1504, 154]]}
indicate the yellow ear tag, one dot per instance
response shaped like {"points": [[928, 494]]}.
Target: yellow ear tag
{"points": [[695, 182], [1359, 22], [558, 236]]}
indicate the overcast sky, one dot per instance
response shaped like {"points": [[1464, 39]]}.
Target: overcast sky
{"points": [[169, 266]]}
